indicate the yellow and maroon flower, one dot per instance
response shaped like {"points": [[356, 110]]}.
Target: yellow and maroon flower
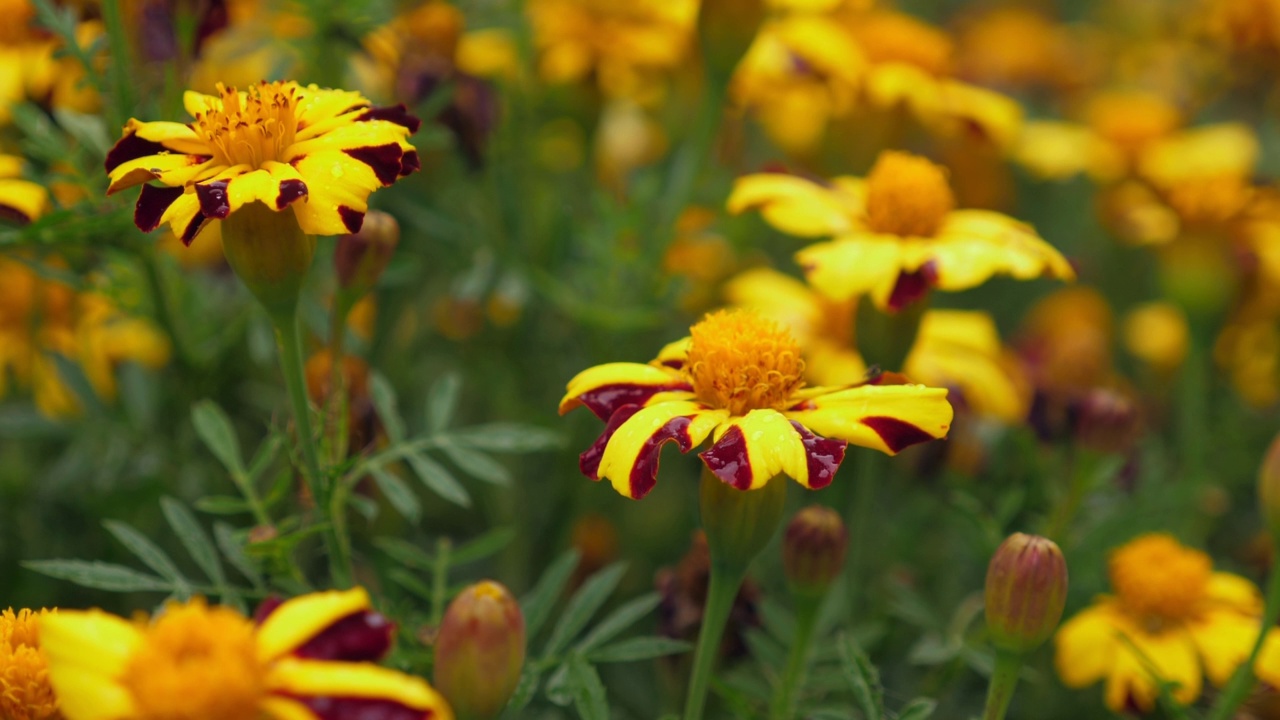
{"points": [[318, 152], [309, 658], [21, 201], [739, 379]]}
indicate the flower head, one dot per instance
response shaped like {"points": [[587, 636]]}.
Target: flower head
{"points": [[21, 201], [738, 379], [25, 693], [306, 658], [1171, 616], [317, 152]]}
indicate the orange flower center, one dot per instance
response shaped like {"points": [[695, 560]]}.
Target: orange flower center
{"points": [[895, 37], [1132, 119], [253, 127], [741, 361], [907, 196], [1159, 580], [25, 693], [196, 662]]}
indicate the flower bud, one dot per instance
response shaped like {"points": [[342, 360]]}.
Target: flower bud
{"points": [[1025, 593], [480, 651], [270, 254], [361, 257], [1269, 488], [813, 548], [1106, 421]]}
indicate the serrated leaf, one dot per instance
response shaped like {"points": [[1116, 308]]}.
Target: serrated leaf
{"points": [[624, 617], [558, 690], [588, 692], [215, 431], [583, 606], [863, 679], [641, 648], [150, 554], [478, 465], [233, 550], [483, 546], [537, 605], [399, 494], [442, 402], [918, 709], [436, 477], [99, 575], [406, 553], [530, 680], [384, 401], [507, 437], [222, 505], [194, 539]]}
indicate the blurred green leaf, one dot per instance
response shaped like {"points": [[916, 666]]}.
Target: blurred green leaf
{"points": [[150, 554], [640, 648], [99, 575], [918, 709], [384, 401], [619, 620], [483, 546], [399, 494], [222, 505], [583, 606], [537, 605], [436, 477], [233, 550], [406, 553], [863, 679], [214, 428], [194, 539], [442, 402], [588, 692], [478, 465], [507, 437]]}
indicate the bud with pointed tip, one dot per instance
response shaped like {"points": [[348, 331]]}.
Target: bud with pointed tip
{"points": [[1026, 592], [360, 258], [813, 548], [480, 651], [1269, 489]]}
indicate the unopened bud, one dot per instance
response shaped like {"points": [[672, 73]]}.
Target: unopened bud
{"points": [[1106, 421], [361, 257], [813, 548], [1025, 593], [270, 254], [480, 651], [1269, 488]]}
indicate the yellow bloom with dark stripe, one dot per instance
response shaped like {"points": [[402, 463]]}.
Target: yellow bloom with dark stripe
{"points": [[309, 658], [25, 693], [21, 201], [738, 379], [897, 232], [1172, 619], [316, 152]]}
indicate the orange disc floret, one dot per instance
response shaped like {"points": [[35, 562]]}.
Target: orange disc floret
{"points": [[1159, 579], [25, 693], [741, 361], [907, 196]]}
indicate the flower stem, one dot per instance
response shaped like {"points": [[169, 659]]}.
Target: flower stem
{"points": [[1004, 680], [723, 588], [1243, 680], [784, 701], [289, 337]]}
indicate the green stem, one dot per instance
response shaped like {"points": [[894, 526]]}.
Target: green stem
{"points": [[784, 701], [121, 63], [440, 581], [1004, 680], [164, 312], [1243, 680], [289, 337], [722, 590]]}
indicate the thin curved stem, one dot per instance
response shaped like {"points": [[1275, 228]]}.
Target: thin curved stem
{"points": [[721, 591], [1004, 680], [784, 701]]}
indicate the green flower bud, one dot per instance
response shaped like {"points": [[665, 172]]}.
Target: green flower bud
{"points": [[1269, 488], [269, 253], [813, 548], [360, 258], [739, 523], [1025, 593], [480, 651]]}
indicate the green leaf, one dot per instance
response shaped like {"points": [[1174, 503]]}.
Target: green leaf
{"points": [[195, 540], [222, 505], [621, 619], [436, 477], [150, 554], [641, 648], [233, 550], [406, 553], [507, 437], [483, 546], [266, 453], [918, 709], [525, 690], [583, 605], [99, 575], [399, 494], [863, 679], [537, 605], [588, 692], [412, 583], [72, 375], [215, 430], [442, 402], [478, 465], [384, 401]]}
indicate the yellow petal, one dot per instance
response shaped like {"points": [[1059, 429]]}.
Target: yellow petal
{"points": [[1234, 592], [1223, 149], [1148, 659], [1267, 668], [629, 456], [1224, 639], [853, 265], [87, 653], [605, 388], [779, 297], [302, 618], [798, 206], [962, 349], [22, 200], [975, 245], [325, 679], [338, 188], [750, 450], [1085, 646], [887, 418]]}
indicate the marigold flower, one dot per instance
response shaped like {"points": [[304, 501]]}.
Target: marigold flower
{"points": [[318, 152], [739, 379], [309, 658], [1171, 614], [21, 201], [1157, 334], [897, 232], [25, 693]]}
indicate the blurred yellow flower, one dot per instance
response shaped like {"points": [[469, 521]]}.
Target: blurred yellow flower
{"points": [[739, 380], [699, 256], [1065, 341], [1156, 333], [25, 693], [1172, 619], [627, 138], [897, 233], [21, 201], [1010, 46], [29, 69]]}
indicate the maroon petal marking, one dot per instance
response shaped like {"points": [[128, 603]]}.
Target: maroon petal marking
{"points": [[13, 214], [605, 400], [213, 199], [290, 190], [823, 456], [383, 159], [896, 434], [644, 472], [397, 114], [152, 202], [728, 459], [913, 286], [589, 460], [330, 708], [410, 163], [131, 147], [268, 605], [193, 228], [351, 218], [358, 637]]}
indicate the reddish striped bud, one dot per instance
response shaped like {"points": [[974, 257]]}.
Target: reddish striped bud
{"points": [[480, 651], [1025, 593], [813, 548], [360, 258]]}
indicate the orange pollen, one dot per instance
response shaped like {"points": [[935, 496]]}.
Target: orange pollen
{"points": [[894, 37], [740, 361], [907, 196], [1132, 119], [25, 693], [252, 127], [196, 662], [1158, 579]]}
